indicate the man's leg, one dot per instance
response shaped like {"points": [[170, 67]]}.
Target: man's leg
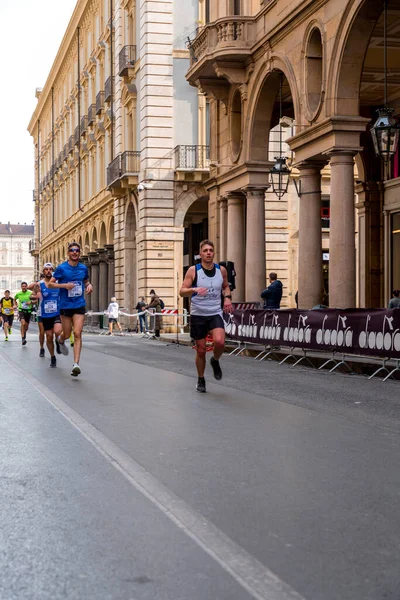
{"points": [[23, 330], [78, 321], [49, 341], [66, 323], [110, 327], [5, 327], [201, 357], [41, 339], [218, 335]]}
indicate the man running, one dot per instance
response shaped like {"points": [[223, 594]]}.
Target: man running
{"points": [[72, 278], [205, 283], [49, 311], [23, 302], [34, 287], [7, 313]]}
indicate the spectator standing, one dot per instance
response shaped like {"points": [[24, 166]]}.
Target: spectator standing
{"points": [[395, 300], [140, 306], [156, 304], [113, 316], [272, 295]]}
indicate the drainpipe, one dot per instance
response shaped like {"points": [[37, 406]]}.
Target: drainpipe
{"points": [[52, 151], [39, 232], [79, 123], [112, 81]]}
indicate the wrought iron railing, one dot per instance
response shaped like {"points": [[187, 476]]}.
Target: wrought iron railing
{"points": [[191, 158], [34, 245], [99, 102], [76, 135], [108, 89], [127, 163], [91, 113], [70, 143], [126, 59]]}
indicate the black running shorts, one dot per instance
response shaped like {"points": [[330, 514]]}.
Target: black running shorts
{"points": [[70, 312], [49, 322], [201, 326], [24, 315], [8, 319]]}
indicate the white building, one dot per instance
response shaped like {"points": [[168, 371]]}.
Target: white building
{"points": [[16, 263]]}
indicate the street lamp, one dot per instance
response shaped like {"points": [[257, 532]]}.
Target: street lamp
{"points": [[280, 176], [386, 131]]}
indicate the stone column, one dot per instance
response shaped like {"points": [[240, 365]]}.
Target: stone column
{"points": [[88, 297], [223, 211], [111, 269], [255, 243], [342, 248], [103, 279], [235, 241], [310, 281], [94, 267]]}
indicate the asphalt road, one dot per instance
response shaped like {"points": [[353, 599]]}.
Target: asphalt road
{"points": [[278, 484]]}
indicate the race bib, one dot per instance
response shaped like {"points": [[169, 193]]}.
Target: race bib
{"points": [[50, 307], [77, 290], [24, 306], [7, 311]]}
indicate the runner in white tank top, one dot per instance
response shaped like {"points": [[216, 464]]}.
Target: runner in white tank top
{"points": [[205, 283]]}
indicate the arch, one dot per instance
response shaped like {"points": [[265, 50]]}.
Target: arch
{"points": [[185, 201], [236, 124], [314, 70], [110, 235], [102, 236], [262, 112], [86, 243], [348, 55], [94, 240], [130, 257]]}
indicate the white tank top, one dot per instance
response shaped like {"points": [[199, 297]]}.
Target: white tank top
{"points": [[209, 305]]}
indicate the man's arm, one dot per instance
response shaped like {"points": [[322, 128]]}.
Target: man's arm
{"points": [[186, 289], [226, 291], [61, 286], [88, 286], [265, 293]]}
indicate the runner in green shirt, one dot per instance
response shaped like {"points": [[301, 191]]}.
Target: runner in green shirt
{"points": [[24, 305]]}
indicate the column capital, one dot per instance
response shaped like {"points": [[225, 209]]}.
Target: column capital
{"points": [[235, 197], [102, 254], [343, 154], [311, 165], [222, 199], [254, 191], [109, 248], [85, 260], [93, 258]]}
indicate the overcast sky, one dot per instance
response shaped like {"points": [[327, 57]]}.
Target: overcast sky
{"points": [[31, 34]]}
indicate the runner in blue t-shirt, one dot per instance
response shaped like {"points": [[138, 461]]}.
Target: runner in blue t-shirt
{"points": [[72, 278], [49, 311]]}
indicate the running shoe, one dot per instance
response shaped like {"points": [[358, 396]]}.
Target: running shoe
{"points": [[58, 350], [216, 368], [6, 339], [23, 341], [63, 348], [41, 353], [201, 385], [53, 362], [9, 332], [75, 370]]}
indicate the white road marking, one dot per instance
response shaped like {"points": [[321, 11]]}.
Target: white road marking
{"points": [[253, 576]]}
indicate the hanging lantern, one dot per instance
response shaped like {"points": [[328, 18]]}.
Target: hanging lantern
{"points": [[385, 134], [280, 176]]}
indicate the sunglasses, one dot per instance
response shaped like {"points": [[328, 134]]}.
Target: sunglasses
{"points": [[74, 250]]}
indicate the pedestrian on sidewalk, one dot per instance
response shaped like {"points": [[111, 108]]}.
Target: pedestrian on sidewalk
{"points": [[272, 295], [113, 316], [23, 302], [140, 307], [205, 283], [395, 300], [72, 279], [156, 305]]}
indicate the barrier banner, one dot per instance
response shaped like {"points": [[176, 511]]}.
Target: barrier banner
{"points": [[373, 332]]}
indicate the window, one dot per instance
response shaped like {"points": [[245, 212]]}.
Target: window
{"points": [[18, 284], [325, 212], [4, 284], [19, 258], [4, 258]]}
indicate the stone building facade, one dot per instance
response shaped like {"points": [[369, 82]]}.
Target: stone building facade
{"points": [[16, 262], [121, 148], [325, 60]]}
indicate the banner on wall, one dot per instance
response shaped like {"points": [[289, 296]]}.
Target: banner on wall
{"points": [[374, 332]]}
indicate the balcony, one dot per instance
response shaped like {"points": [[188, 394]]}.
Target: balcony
{"points": [[70, 143], [65, 151], [84, 124], [77, 135], [91, 114], [99, 102], [123, 171], [34, 246], [229, 40], [126, 60], [108, 89], [192, 162], [34, 195]]}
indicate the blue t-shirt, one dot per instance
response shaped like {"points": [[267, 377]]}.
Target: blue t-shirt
{"points": [[65, 273], [49, 306]]}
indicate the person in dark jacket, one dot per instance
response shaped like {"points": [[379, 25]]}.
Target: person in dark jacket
{"points": [[273, 294]]}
